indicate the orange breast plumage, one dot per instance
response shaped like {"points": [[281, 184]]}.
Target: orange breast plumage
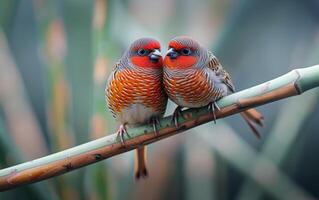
{"points": [[195, 89], [134, 97]]}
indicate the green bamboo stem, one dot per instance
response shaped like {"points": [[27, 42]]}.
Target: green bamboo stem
{"points": [[290, 84]]}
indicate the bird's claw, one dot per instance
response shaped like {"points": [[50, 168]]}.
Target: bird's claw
{"points": [[213, 107], [120, 133], [176, 114], [155, 123]]}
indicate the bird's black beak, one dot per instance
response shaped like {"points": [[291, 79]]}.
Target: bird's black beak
{"points": [[155, 55], [172, 53]]}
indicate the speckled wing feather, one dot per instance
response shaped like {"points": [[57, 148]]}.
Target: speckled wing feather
{"points": [[115, 69], [215, 65], [251, 116], [107, 89]]}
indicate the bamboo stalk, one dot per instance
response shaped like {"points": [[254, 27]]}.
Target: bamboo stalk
{"points": [[290, 84]]}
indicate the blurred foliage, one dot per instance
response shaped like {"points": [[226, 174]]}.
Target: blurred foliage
{"points": [[55, 57]]}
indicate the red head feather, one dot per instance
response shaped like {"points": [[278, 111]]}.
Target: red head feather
{"points": [[183, 59], [141, 50]]}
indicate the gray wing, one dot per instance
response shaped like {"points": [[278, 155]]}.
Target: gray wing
{"points": [[111, 77], [113, 73]]}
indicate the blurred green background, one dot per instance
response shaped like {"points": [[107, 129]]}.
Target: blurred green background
{"points": [[55, 57]]}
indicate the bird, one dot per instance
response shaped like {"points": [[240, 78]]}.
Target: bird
{"points": [[135, 92], [193, 77]]}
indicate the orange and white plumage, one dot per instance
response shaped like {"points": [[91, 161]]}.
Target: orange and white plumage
{"points": [[195, 89], [193, 77], [136, 96], [135, 93]]}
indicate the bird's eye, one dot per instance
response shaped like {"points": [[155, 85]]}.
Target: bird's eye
{"points": [[142, 52], [186, 51]]}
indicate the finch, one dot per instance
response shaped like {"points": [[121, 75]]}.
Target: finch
{"points": [[193, 77], [135, 93]]}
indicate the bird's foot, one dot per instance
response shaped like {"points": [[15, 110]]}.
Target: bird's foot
{"points": [[155, 123], [213, 107], [176, 114], [120, 133]]}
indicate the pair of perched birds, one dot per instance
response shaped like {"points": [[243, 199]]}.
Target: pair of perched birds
{"points": [[141, 82]]}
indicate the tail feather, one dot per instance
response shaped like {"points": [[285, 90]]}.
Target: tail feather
{"points": [[140, 163], [253, 118]]}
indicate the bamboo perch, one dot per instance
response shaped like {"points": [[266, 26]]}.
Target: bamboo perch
{"points": [[290, 84]]}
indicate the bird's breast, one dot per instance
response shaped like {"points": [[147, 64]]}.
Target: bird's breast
{"points": [[194, 89], [134, 97]]}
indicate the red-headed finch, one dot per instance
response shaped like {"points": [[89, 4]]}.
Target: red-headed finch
{"points": [[193, 77], [135, 92]]}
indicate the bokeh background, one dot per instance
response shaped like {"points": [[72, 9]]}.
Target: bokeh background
{"points": [[55, 57]]}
